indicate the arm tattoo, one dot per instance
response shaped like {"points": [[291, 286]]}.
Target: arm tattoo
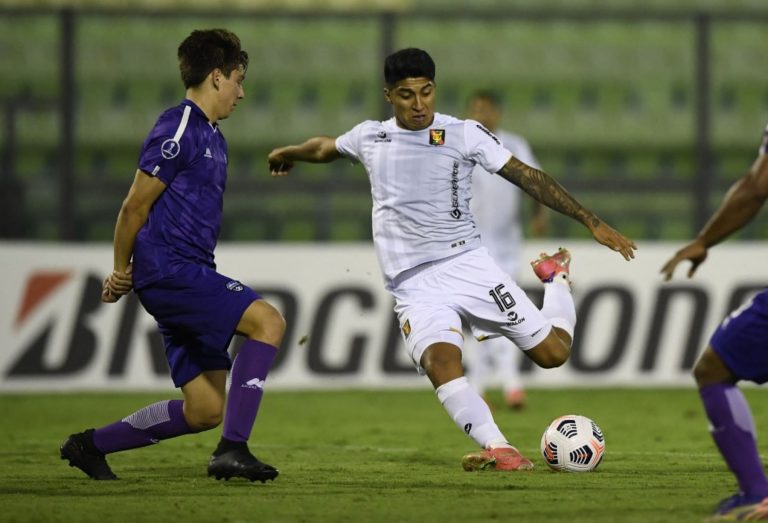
{"points": [[545, 189]]}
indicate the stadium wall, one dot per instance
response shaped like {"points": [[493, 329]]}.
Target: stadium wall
{"points": [[634, 330]]}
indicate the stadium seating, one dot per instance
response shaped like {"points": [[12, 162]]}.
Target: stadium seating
{"points": [[608, 106]]}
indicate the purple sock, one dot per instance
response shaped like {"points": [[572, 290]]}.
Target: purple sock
{"points": [[161, 420], [734, 433], [248, 375]]}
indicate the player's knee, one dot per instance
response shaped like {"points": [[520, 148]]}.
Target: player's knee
{"points": [[550, 354], [555, 357], [710, 369], [204, 417], [705, 373], [205, 420], [273, 327], [265, 324], [442, 363]]}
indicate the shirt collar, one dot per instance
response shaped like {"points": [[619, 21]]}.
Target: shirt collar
{"points": [[200, 113]]}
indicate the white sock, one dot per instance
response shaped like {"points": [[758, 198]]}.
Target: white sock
{"points": [[559, 307], [468, 410]]}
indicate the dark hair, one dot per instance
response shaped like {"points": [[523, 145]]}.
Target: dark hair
{"points": [[408, 63], [488, 95], [203, 51]]}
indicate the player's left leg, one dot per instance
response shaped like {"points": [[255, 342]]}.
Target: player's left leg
{"points": [[558, 308], [147, 426]]}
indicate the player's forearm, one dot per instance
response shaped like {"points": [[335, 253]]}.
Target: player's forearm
{"points": [[547, 191], [320, 149], [741, 203], [129, 222]]}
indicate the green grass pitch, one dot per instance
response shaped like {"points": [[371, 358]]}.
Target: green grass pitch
{"points": [[372, 456]]}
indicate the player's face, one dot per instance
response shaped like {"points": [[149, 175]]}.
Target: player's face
{"points": [[230, 91], [485, 112], [413, 101]]}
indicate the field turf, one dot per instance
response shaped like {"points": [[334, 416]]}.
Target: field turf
{"points": [[371, 456]]}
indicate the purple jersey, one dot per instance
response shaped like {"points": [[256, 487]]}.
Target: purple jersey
{"points": [[189, 155]]}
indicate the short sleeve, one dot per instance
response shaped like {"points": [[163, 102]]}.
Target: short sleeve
{"points": [[167, 149], [484, 148], [348, 144]]}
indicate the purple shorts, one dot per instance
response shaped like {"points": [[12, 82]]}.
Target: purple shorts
{"points": [[197, 310], [741, 340]]}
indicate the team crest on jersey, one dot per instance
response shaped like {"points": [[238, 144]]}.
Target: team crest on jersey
{"points": [[381, 137], [407, 328], [437, 137]]}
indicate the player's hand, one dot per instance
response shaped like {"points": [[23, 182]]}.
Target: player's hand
{"points": [[117, 284], [613, 239], [695, 251], [279, 165]]}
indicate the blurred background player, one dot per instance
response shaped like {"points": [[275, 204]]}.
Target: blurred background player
{"points": [[738, 350], [168, 226], [496, 207], [419, 164]]}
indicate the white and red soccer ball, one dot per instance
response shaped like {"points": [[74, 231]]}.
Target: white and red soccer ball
{"points": [[573, 443]]}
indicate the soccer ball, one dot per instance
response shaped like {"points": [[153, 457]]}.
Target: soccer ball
{"points": [[573, 443]]}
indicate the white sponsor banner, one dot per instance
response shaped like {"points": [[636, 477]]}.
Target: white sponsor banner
{"points": [[634, 330]]}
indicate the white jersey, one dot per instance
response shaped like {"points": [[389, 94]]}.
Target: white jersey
{"points": [[421, 186], [496, 207]]}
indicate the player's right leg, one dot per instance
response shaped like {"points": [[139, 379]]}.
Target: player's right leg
{"points": [[737, 351], [733, 430], [263, 327], [442, 363], [426, 303]]}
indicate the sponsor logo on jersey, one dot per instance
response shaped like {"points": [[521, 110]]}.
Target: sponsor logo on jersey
{"points": [[455, 212], [234, 286], [381, 137], [170, 149], [208, 153], [407, 328], [489, 133], [514, 319], [437, 137]]}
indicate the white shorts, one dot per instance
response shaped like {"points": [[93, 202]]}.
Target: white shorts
{"points": [[432, 300]]}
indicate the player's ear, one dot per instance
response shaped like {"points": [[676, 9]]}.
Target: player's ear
{"points": [[386, 95], [216, 78]]}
